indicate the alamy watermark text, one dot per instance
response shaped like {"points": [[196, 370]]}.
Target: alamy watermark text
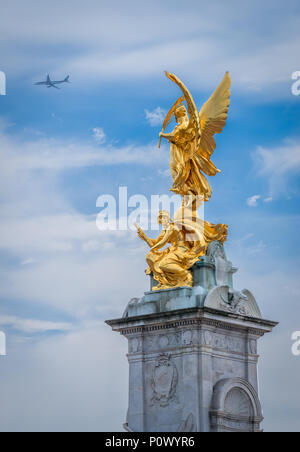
{"points": [[2, 344], [296, 344], [296, 84]]}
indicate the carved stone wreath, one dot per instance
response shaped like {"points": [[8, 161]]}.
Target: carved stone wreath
{"points": [[164, 381]]}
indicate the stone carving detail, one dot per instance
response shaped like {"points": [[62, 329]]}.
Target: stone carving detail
{"points": [[135, 345], [235, 303], [188, 425], [150, 342], [235, 407], [238, 403], [132, 302], [163, 341], [158, 342], [223, 270], [214, 250], [253, 347], [226, 298], [207, 338], [164, 381], [223, 341], [232, 301], [187, 337]]}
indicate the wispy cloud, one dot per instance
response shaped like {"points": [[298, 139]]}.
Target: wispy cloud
{"points": [[252, 201], [156, 116], [279, 165], [101, 42], [56, 155], [165, 173], [62, 259], [99, 135], [32, 326]]}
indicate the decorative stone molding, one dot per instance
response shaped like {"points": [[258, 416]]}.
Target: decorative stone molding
{"points": [[225, 342], [198, 321], [235, 407]]}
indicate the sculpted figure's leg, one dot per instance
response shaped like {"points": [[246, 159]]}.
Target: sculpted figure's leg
{"points": [[151, 259], [174, 272]]}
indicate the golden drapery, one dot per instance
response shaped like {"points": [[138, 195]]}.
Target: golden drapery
{"points": [[188, 237]]}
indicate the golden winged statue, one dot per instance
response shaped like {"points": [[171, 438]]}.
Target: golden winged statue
{"points": [[192, 141], [192, 144], [188, 238]]}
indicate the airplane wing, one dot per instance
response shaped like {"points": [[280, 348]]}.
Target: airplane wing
{"points": [[58, 82], [53, 86]]}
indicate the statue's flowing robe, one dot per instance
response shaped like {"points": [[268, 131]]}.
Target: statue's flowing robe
{"points": [[187, 166]]}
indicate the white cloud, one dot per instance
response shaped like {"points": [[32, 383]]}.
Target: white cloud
{"points": [[269, 199], [56, 155], [200, 43], [29, 261], [165, 173], [62, 259], [279, 165], [155, 117], [257, 249], [280, 160], [99, 135], [252, 201], [33, 325]]}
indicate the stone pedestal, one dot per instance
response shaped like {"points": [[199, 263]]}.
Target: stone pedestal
{"points": [[193, 354]]}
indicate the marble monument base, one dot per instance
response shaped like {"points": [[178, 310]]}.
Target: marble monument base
{"points": [[193, 370], [192, 354]]}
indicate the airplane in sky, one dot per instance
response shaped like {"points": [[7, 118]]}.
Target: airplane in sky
{"points": [[52, 83]]}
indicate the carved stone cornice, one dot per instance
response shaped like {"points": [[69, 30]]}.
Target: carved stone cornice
{"points": [[191, 317]]}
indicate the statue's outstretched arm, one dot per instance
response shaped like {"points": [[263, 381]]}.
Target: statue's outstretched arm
{"points": [[172, 135], [143, 236], [168, 136], [164, 240]]}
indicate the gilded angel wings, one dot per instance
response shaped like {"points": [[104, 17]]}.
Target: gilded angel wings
{"points": [[192, 141]]}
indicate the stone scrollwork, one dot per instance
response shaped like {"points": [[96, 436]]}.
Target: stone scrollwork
{"points": [[164, 381]]}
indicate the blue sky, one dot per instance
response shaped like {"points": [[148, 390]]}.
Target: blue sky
{"points": [[60, 276]]}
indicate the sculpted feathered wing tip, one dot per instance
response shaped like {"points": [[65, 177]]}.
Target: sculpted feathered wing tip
{"points": [[213, 116]]}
